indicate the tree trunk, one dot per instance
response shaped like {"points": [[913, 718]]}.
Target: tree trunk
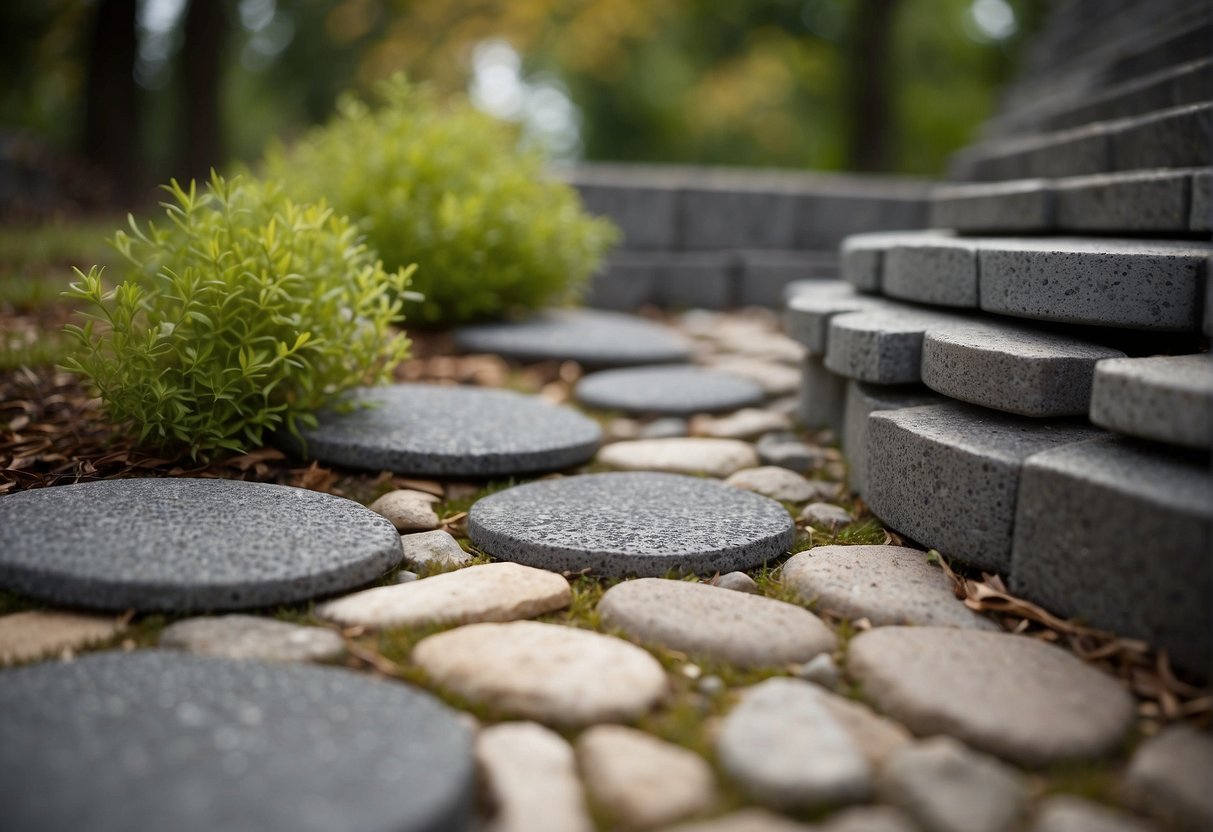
{"points": [[871, 122], [112, 125], [201, 135]]}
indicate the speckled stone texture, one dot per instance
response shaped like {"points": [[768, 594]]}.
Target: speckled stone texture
{"points": [[1173, 138], [163, 740], [1201, 218], [183, 545], [619, 524], [589, 337], [1011, 695], [884, 584], [807, 319], [1015, 369], [862, 257], [941, 271], [862, 401], [1165, 398], [947, 475], [676, 390], [822, 402], [1138, 285], [1147, 201], [1118, 533], [882, 346], [1019, 205], [437, 431], [710, 621]]}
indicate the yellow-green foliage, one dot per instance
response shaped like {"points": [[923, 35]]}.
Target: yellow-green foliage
{"points": [[241, 315], [442, 185]]}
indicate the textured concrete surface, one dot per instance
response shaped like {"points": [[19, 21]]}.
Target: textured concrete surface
{"points": [[940, 271], [883, 346], [822, 401], [948, 475], [1118, 533], [1174, 138], [185, 545], [1016, 206], [1012, 368], [165, 740], [1164, 398], [807, 319], [1155, 201], [453, 431], [642, 524], [862, 401], [676, 390]]}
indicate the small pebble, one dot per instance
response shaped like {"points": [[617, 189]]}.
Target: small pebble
{"points": [[711, 685], [739, 581], [409, 511], [406, 577], [743, 424], [821, 670], [618, 430], [667, 428], [774, 482], [826, 515], [436, 550], [787, 451]]}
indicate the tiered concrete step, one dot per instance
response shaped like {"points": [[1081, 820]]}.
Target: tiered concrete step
{"points": [[1163, 398], [1148, 285], [1167, 201]]}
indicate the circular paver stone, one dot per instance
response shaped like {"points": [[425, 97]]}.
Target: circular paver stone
{"points": [[547, 672], [619, 524], [676, 390], [164, 740], [589, 337], [1011, 695], [452, 431], [183, 545], [721, 624]]}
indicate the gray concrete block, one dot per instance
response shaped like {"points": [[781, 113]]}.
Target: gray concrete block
{"points": [[1201, 218], [822, 395], [940, 271], [645, 215], [1119, 534], [1190, 82], [764, 276], [733, 216], [1154, 201], [1181, 137], [1012, 368], [1136, 285], [825, 218], [695, 280], [947, 475], [882, 346], [1167, 398], [862, 401], [1024, 205], [624, 282], [808, 314]]}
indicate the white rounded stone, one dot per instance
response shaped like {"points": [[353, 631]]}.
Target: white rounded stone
{"points": [[409, 511], [826, 515], [34, 634], [776, 482], [253, 637], [529, 773], [433, 551], [744, 424], [682, 455]]}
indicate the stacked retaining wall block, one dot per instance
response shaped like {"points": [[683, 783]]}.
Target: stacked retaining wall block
{"points": [[1027, 387], [715, 238]]}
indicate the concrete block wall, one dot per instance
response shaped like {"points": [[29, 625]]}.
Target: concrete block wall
{"points": [[715, 238], [1029, 386]]}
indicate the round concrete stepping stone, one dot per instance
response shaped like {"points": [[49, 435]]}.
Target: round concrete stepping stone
{"points": [[164, 740], [253, 637], [716, 623], [620, 524], [687, 455], [429, 430], [1010, 695], [530, 775], [785, 748], [188, 544], [590, 337], [37, 633], [641, 781], [884, 584], [489, 592], [676, 390], [546, 672]]}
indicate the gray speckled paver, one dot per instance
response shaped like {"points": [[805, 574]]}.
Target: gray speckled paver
{"points": [[453, 431], [643, 524], [862, 258], [1153, 201], [947, 475], [1118, 533], [164, 740], [1149, 284], [1167, 398], [1024, 205], [676, 390], [1016, 369], [589, 337], [882, 346], [185, 545], [807, 319], [862, 401], [941, 271]]}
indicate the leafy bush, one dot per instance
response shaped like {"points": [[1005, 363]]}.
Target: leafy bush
{"points": [[243, 314], [443, 185]]}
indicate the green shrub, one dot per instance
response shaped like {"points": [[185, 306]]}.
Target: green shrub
{"points": [[243, 314], [444, 186]]}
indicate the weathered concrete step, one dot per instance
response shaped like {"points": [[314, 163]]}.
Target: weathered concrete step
{"points": [[1012, 368], [809, 310], [948, 475], [1155, 201], [1175, 137], [1118, 534], [862, 400], [882, 345], [1149, 285], [1164, 398]]}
